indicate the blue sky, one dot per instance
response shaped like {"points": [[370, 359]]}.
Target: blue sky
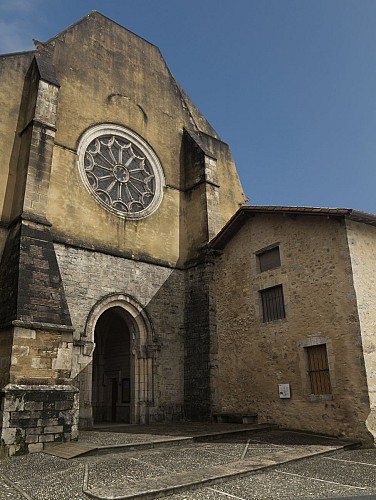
{"points": [[289, 84]]}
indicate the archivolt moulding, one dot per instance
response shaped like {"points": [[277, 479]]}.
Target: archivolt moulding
{"points": [[134, 313]]}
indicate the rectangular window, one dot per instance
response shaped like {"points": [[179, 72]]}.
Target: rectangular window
{"points": [[269, 259], [273, 305], [318, 369]]}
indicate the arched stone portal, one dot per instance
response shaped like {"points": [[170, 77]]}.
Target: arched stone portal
{"points": [[122, 362], [112, 381]]}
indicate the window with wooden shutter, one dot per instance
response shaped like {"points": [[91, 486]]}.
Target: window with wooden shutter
{"points": [[269, 259], [318, 369]]}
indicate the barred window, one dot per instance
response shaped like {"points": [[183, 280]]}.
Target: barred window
{"points": [[269, 259], [318, 369], [273, 305]]}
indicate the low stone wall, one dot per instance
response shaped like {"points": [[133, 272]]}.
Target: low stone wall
{"points": [[33, 415]]}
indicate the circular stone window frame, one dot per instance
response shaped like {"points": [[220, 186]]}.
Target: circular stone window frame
{"points": [[127, 134]]}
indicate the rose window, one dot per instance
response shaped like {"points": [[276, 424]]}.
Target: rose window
{"points": [[121, 171]]}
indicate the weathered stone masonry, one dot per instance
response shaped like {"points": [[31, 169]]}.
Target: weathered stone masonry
{"points": [[38, 414]]}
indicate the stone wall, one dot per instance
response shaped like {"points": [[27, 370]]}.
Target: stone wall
{"points": [[149, 101], [6, 340], [33, 415], [255, 357], [41, 357], [13, 69], [197, 343], [90, 276], [362, 245]]}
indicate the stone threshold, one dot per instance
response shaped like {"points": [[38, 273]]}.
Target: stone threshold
{"points": [[167, 485]]}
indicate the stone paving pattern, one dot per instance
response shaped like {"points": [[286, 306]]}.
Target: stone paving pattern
{"points": [[345, 473]]}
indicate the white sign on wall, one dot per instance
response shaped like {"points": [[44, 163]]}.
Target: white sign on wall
{"points": [[284, 391]]}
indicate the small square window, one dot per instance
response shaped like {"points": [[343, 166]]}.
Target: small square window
{"points": [[273, 305], [318, 369], [269, 259]]}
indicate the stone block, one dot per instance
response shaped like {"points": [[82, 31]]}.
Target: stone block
{"points": [[32, 438], [45, 422], [8, 435], [46, 438], [34, 431], [35, 447], [34, 405], [63, 405], [53, 429], [14, 402], [23, 423]]}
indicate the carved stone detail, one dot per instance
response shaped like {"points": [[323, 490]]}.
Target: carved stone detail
{"points": [[121, 171]]}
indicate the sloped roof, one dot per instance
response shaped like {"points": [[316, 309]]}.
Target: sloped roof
{"points": [[243, 214]]}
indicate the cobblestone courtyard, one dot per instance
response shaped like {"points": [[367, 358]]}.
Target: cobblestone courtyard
{"points": [[327, 471]]}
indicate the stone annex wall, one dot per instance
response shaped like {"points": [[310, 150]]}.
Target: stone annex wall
{"points": [[362, 245], [89, 276], [320, 301]]}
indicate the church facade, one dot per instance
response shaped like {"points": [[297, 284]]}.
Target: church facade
{"points": [[126, 295]]}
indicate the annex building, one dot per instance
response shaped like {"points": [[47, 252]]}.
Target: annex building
{"points": [[135, 284]]}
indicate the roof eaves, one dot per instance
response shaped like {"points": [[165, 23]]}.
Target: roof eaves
{"points": [[238, 220]]}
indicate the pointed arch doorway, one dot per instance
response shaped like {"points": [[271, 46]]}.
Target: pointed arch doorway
{"points": [[122, 368], [112, 381]]}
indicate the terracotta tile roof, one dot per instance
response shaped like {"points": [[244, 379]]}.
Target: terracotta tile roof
{"points": [[237, 221]]}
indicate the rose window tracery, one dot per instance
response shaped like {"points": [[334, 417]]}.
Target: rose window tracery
{"points": [[121, 171]]}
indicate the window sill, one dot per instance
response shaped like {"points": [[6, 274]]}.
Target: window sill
{"points": [[274, 321]]}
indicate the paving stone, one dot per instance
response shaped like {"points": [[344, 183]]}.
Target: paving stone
{"points": [[8, 491], [348, 473], [336, 470], [115, 470], [59, 485], [273, 485], [32, 465]]}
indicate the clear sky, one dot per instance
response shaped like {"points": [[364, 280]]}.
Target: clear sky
{"points": [[290, 85]]}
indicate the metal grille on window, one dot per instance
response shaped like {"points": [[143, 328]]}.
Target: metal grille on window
{"points": [[318, 369], [273, 306]]}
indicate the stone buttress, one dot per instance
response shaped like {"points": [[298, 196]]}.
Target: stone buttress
{"points": [[38, 403]]}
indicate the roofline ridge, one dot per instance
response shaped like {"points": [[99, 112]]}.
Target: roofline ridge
{"points": [[83, 18]]}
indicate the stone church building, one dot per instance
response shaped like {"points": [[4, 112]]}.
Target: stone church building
{"points": [[135, 284]]}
